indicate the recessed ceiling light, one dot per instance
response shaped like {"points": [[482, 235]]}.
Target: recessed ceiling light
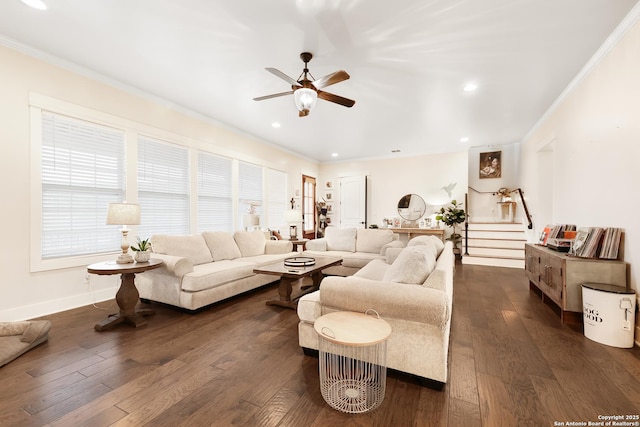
{"points": [[470, 87], [36, 4], [334, 154], [464, 139], [395, 151], [275, 125]]}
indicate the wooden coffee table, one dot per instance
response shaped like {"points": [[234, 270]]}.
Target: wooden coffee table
{"points": [[127, 296], [288, 275]]}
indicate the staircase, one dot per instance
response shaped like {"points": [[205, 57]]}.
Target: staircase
{"points": [[498, 244]]}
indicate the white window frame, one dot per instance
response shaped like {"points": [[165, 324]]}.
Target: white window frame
{"points": [[39, 103]]}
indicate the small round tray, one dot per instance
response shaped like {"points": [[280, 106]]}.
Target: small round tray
{"points": [[299, 261]]}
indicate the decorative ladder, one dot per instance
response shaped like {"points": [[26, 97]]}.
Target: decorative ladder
{"points": [[499, 244]]}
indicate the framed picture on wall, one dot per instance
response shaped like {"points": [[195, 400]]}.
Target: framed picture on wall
{"points": [[328, 195], [490, 164], [329, 185]]}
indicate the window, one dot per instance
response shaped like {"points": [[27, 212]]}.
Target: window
{"points": [[309, 206], [276, 200], [163, 187], [82, 171], [215, 203], [249, 190]]}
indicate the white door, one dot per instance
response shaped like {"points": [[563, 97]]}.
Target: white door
{"points": [[353, 202]]}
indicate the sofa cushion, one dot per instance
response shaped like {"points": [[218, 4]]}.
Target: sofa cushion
{"points": [[357, 259], [341, 239], [261, 260], [372, 240], [222, 245], [413, 265], [374, 270], [191, 246], [433, 240], [250, 243], [214, 274]]}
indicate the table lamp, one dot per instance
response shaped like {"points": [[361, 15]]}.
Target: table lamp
{"points": [[293, 217], [123, 214]]}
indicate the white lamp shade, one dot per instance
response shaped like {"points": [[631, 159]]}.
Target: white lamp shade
{"points": [[123, 214], [305, 99], [293, 215]]}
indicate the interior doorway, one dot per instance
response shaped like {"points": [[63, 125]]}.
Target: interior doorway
{"points": [[308, 207], [353, 202]]}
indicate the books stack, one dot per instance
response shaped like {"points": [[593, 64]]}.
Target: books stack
{"points": [[597, 242], [555, 232], [611, 243]]}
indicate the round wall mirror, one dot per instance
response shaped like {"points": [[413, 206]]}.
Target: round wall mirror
{"points": [[411, 207]]}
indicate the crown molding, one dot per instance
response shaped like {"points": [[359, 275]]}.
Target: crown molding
{"points": [[621, 30]]}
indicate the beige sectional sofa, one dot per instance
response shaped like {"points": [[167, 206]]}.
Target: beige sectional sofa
{"points": [[356, 247], [412, 289], [200, 269]]}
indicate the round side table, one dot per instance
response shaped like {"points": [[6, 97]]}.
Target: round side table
{"points": [[353, 356], [127, 296]]}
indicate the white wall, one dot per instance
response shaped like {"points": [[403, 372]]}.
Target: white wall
{"points": [[390, 179], [28, 295], [483, 204], [590, 144]]}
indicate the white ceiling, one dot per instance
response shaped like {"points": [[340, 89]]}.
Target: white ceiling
{"points": [[408, 60]]}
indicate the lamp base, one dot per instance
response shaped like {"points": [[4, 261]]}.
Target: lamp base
{"points": [[293, 232], [124, 259]]}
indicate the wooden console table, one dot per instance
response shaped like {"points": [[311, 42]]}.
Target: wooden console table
{"points": [[413, 232], [127, 296], [558, 278]]}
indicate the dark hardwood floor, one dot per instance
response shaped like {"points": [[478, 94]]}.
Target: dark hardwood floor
{"points": [[512, 363]]}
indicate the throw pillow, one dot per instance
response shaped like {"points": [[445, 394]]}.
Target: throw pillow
{"points": [[341, 239], [250, 243], [428, 240], [423, 243], [371, 240], [222, 245], [412, 266], [190, 246]]}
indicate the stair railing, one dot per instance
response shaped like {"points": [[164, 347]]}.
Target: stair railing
{"points": [[466, 224], [524, 206], [526, 210]]}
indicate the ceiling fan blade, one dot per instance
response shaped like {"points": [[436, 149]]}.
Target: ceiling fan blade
{"points": [[331, 79], [283, 76], [275, 95], [335, 98]]}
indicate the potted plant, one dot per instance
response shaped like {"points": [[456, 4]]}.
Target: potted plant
{"points": [[452, 215], [142, 250]]}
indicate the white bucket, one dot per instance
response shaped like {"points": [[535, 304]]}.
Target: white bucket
{"points": [[609, 314]]}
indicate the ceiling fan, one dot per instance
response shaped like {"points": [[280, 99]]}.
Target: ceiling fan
{"points": [[306, 92]]}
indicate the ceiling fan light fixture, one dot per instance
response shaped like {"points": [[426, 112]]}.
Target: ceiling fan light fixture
{"points": [[36, 4], [305, 100]]}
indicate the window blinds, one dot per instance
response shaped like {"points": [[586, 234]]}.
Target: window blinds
{"points": [[163, 187], [276, 202], [215, 204], [83, 170]]}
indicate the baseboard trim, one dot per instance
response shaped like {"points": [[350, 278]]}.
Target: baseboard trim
{"points": [[27, 312]]}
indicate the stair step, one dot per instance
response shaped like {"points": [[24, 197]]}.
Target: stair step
{"points": [[496, 251], [493, 261], [492, 243], [496, 234], [503, 226]]}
